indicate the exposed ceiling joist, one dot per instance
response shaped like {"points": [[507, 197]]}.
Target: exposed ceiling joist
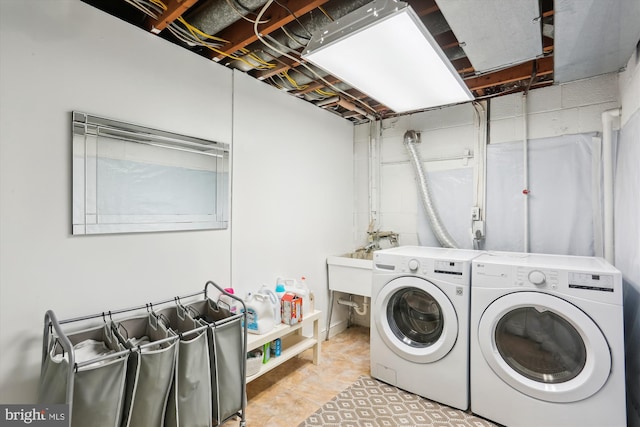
{"points": [[544, 66], [175, 9], [241, 34]]}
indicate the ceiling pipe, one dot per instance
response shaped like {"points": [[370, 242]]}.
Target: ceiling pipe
{"points": [[411, 138], [525, 173], [608, 118], [216, 15]]}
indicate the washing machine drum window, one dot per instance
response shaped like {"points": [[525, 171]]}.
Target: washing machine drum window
{"points": [[541, 346], [415, 317]]}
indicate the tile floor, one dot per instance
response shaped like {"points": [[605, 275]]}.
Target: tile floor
{"points": [[287, 395]]}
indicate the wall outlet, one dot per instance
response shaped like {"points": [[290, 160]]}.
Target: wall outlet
{"points": [[475, 213], [477, 229]]}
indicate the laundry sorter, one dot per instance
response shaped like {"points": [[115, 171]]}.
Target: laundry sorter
{"points": [[178, 362]]}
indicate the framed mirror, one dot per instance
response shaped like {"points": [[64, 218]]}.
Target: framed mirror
{"points": [[130, 178]]}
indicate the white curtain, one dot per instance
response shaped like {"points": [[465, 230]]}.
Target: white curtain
{"points": [[564, 198], [561, 196]]}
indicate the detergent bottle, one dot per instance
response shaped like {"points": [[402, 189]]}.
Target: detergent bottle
{"points": [[260, 315], [275, 302], [288, 284], [302, 290], [228, 303]]}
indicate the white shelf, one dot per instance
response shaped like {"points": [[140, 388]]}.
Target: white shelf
{"points": [[293, 343]]}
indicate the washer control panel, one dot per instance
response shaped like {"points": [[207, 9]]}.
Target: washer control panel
{"points": [[594, 282], [540, 278], [423, 266], [455, 268]]}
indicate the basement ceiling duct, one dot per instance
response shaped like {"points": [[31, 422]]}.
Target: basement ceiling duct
{"points": [[215, 15], [495, 33]]}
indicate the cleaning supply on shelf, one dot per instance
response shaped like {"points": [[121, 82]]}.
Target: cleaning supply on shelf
{"points": [[276, 347], [302, 290], [280, 291], [288, 283], [275, 302], [228, 303], [291, 308], [260, 316], [266, 352]]}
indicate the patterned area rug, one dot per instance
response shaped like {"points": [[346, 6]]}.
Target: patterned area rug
{"points": [[371, 403]]}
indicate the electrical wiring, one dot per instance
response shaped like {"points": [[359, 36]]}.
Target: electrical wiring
{"points": [[291, 80], [294, 16], [189, 37], [284, 30], [159, 4], [325, 13], [372, 116], [194, 30], [141, 8], [276, 84], [325, 93], [193, 36]]}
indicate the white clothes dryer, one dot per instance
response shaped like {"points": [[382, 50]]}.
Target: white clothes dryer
{"points": [[420, 321], [547, 341]]}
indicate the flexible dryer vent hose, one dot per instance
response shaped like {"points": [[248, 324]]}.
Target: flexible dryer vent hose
{"points": [[441, 233]]}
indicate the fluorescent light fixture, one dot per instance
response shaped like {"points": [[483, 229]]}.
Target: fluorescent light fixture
{"points": [[384, 50]]}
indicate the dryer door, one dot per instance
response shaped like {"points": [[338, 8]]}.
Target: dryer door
{"points": [[544, 347], [415, 319]]}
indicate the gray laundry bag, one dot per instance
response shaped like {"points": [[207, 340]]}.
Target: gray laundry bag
{"points": [[150, 372], [98, 388], [189, 403], [226, 357]]}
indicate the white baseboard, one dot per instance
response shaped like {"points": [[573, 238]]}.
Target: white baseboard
{"points": [[336, 328]]}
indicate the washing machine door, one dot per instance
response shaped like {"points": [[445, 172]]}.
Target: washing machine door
{"points": [[544, 347], [415, 319]]}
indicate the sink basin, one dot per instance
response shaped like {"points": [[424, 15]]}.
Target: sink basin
{"points": [[351, 273], [359, 255]]}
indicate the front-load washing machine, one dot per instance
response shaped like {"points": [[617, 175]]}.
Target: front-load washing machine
{"points": [[420, 321], [547, 341]]}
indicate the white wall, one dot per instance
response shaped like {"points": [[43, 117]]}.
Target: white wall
{"points": [[564, 109], [292, 188], [60, 56], [292, 176], [627, 226]]}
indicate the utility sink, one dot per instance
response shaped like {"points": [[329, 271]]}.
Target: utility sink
{"points": [[359, 255], [351, 273]]}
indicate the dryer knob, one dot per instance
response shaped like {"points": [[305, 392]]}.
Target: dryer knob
{"points": [[537, 277], [414, 265]]}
